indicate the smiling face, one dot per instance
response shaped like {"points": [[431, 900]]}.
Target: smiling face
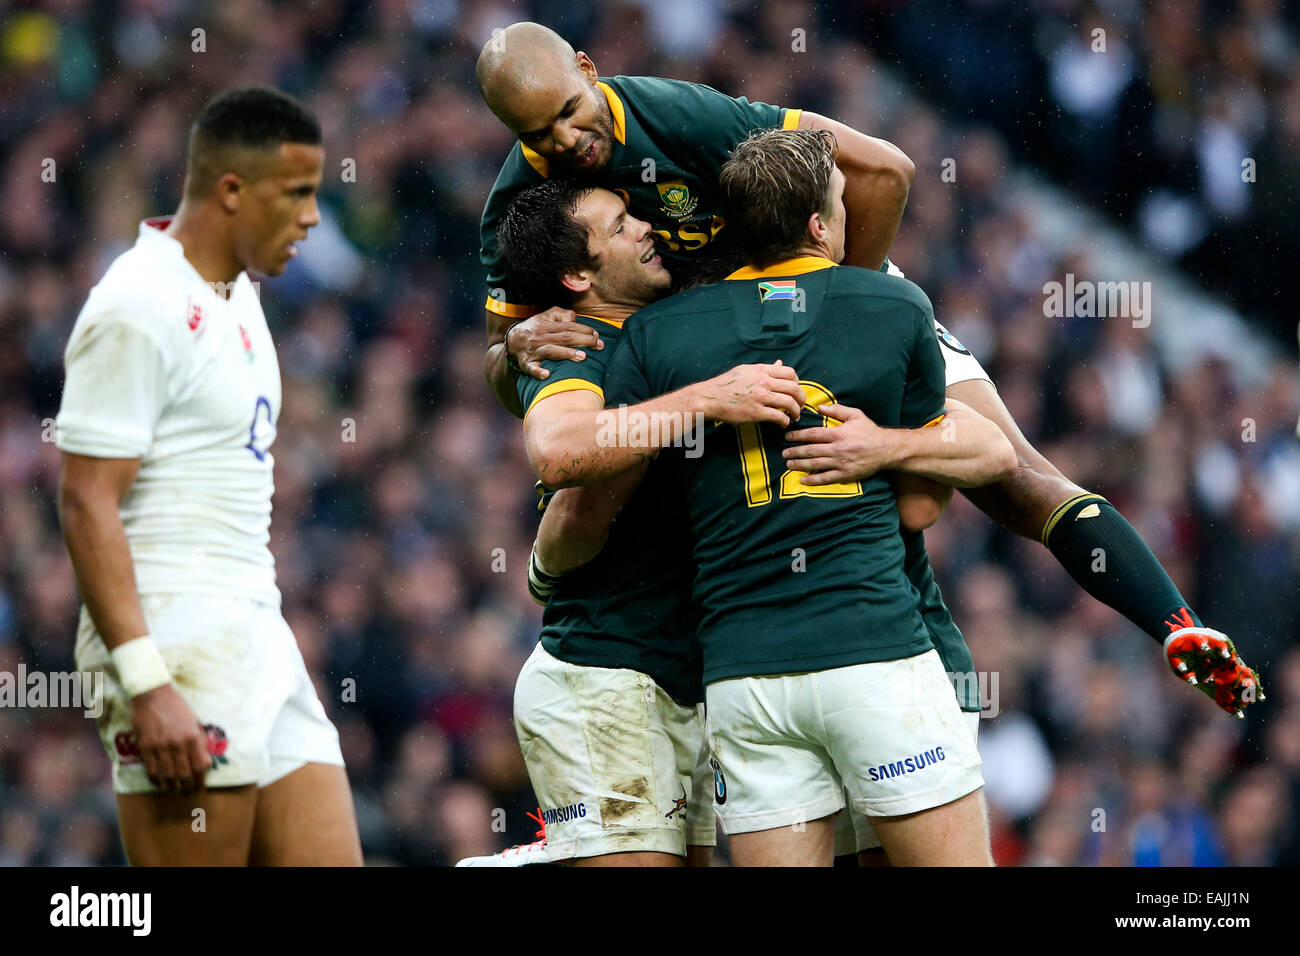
{"points": [[560, 114], [628, 271], [275, 206]]}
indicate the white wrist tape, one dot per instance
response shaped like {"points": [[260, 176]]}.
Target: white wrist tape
{"points": [[140, 666], [537, 563]]}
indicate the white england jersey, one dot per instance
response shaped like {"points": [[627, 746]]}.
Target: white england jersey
{"points": [[164, 367]]}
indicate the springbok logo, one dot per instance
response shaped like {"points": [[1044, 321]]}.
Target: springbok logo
{"points": [[678, 201]]}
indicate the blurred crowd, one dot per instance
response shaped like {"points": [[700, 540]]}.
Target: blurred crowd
{"points": [[404, 504], [1180, 117]]}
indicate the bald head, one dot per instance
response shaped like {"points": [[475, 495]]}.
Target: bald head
{"points": [[522, 56], [547, 95]]}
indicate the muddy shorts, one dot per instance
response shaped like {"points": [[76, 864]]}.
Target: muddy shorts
{"points": [[618, 766]]}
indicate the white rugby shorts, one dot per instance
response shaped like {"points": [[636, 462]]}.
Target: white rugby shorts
{"points": [[617, 765], [853, 832], [788, 747], [237, 664]]}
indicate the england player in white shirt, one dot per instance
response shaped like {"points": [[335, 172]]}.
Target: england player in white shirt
{"points": [[169, 408]]}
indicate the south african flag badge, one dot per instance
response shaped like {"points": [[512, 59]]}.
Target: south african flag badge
{"points": [[777, 289]]}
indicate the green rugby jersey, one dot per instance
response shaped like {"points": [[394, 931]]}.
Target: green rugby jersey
{"points": [[630, 607], [687, 130], [790, 577], [948, 640], [588, 375]]}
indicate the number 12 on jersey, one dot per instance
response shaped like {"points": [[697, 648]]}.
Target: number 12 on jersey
{"points": [[758, 474]]}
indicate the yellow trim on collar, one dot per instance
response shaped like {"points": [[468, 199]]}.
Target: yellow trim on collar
{"points": [[536, 160], [616, 110], [509, 309], [617, 323], [790, 267]]}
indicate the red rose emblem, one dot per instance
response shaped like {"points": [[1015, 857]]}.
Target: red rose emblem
{"points": [[128, 746], [217, 742]]}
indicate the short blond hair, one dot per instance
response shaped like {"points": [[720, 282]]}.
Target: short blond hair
{"points": [[773, 181]]}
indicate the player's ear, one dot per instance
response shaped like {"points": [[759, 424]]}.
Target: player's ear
{"points": [[230, 192], [817, 227], [587, 68], [576, 281]]}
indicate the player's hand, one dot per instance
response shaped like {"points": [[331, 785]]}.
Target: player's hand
{"points": [[549, 336], [173, 744], [754, 393], [1206, 659], [856, 449]]}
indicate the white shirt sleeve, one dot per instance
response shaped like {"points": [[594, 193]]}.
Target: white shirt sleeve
{"points": [[114, 389]]}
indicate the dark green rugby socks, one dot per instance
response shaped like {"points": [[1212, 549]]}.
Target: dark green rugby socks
{"points": [[1109, 560]]}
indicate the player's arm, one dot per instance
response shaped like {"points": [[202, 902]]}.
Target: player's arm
{"points": [[172, 744], [575, 528], [576, 522], [573, 441], [103, 433], [878, 176], [496, 367], [1040, 503], [962, 449], [90, 492], [552, 335], [920, 501]]}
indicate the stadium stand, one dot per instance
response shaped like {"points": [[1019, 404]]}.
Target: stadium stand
{"points": [[402, 488]]}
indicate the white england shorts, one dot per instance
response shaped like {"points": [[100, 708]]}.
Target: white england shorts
{"points": [[236, 663], [853, 831], [618, 766], [788, 747]]}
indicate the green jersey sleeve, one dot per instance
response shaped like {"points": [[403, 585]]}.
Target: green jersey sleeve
{"points": [[503, 298], [703, 124], [568, 376], [923, 395]]}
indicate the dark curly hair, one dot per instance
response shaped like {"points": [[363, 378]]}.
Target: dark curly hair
{"points": [[541, 239]]}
